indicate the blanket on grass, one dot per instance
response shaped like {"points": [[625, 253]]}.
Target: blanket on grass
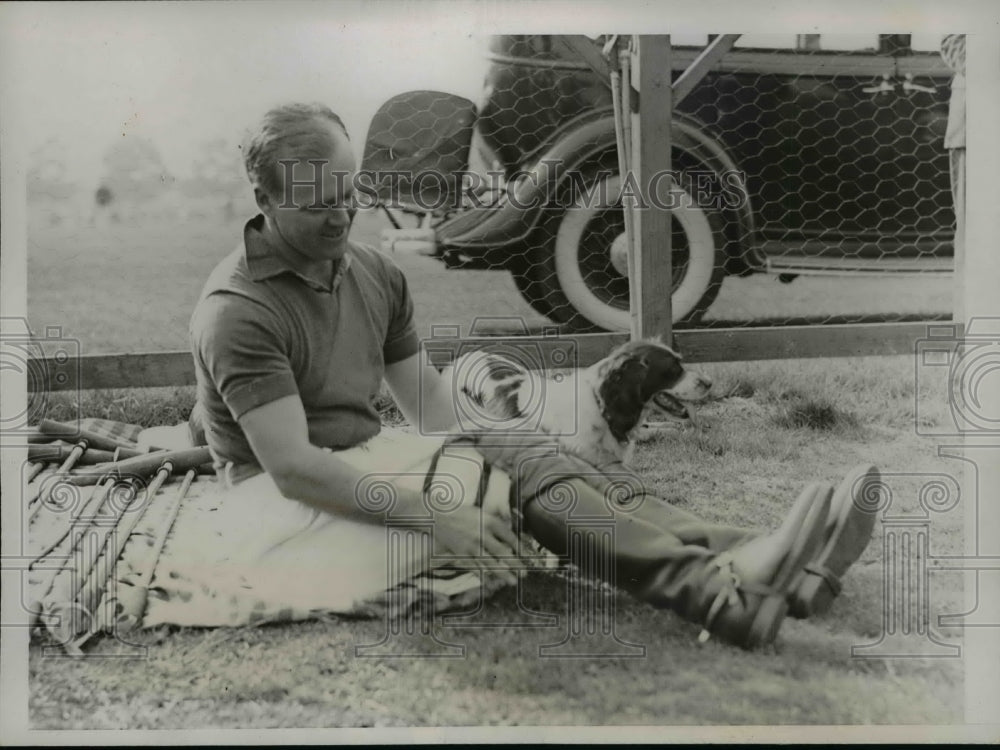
{"points": [[194, 551]]}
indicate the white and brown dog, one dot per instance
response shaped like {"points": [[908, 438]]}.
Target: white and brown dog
{"points": [[596, 415]]}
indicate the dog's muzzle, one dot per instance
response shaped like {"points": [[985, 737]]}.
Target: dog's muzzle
{"points": [[691, 388], [672, 406]]}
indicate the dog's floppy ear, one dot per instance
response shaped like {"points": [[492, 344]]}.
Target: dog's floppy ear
{"points": [[664, 369], [622, 397]]}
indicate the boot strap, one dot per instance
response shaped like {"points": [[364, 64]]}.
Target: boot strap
{"points": [[731, 593], [827, 575], [728, 594]]}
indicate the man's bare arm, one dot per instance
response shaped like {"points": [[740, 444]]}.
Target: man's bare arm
{"points": [[278, 433], [279, 436], [424, 395]]}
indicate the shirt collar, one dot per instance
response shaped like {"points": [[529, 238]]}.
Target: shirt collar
{"points": [[264, 263]]}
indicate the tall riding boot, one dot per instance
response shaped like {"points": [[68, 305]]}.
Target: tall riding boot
{"points": [[663, 555], [659, 567]]}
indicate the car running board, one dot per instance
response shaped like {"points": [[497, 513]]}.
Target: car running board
{"points": [[805, 265]]}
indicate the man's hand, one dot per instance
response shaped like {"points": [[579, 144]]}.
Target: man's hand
{"points": [[483, 540], [476, 538], [277, 433]]}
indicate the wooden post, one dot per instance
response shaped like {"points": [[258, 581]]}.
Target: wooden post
{"points": [[653, 277]]}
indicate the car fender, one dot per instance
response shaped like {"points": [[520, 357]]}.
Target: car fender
{"points": [[511, 219], [589, 140]]}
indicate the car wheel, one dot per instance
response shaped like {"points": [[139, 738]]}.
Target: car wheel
{"points": [[578, 273]]}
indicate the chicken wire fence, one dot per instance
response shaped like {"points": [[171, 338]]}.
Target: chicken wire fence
{"points": [[814, 161]]}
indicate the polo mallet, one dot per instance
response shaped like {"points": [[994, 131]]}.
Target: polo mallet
{"points": [[145, 465], [97, 579], [131, 597]]}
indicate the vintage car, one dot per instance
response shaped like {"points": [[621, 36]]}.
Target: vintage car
{"points": [[809, 155]]}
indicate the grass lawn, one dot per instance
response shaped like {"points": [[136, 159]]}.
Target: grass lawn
{"points": [[770, 427]]}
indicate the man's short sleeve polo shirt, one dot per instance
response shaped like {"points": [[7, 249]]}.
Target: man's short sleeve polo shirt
{"points": [[262, 330]]}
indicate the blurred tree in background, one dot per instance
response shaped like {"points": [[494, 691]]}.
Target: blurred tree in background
{"points": [[134, 170], [132, 182]]}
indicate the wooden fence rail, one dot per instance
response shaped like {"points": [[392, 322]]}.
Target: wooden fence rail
{"points": [[156, 369]]}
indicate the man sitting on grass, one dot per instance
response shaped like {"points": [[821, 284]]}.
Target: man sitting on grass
{"points": [[292, 338]]}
